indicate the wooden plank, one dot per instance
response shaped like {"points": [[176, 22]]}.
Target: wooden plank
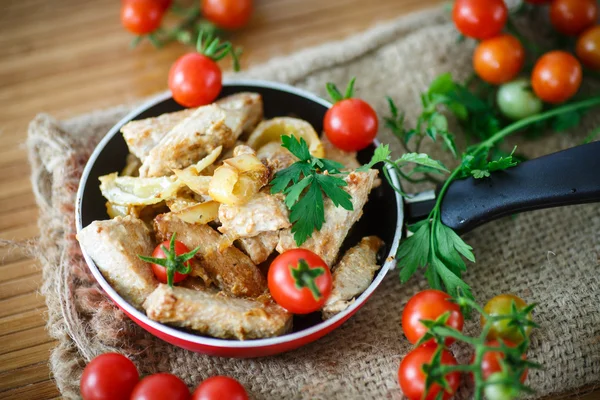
{"points": [[25, 357], [39, 391], [22, 321], [19, 304], [24, 376], [18, 269], [24, 339], [20, 286]]}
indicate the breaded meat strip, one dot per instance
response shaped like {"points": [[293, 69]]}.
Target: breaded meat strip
{"points": [[264, 212], [144, 134], [188, 142], [353, 275], [259, 247], [338, 221], [231, 270], [216, 314], [114, 245]]}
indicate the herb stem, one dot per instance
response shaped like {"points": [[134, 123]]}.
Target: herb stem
{"points": [[491, 142]]}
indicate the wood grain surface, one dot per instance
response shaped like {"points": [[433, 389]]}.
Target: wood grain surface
{"points": [[67, 57]]}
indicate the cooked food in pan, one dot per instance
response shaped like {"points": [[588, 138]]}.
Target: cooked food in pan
{"points": [[209, 197]]}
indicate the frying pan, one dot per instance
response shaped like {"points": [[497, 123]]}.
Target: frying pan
{"points": [[568, 177]]}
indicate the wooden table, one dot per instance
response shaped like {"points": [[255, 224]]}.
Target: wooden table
{"points": [[67, 57]]}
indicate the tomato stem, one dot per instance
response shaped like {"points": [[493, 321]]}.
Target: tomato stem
{"points": [[335, 93], [172, 262], [513, 365], [211, 46], [304, 277]]}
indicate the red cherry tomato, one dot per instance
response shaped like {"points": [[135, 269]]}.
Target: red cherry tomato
{"points": [[227, 14], [304, 268], [588, 48], [412, 378], [556, 77], [351, 124], [499, 60], [195, 80], [429, 304], [220, 388], [161, 387], [571, 17], [109, 376], [480, 19], [142, 16], [161, 272], [491, 360]]}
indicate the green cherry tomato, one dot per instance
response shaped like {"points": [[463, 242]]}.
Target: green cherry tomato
{"points": [[501, 305], [499, 391], [516, 100]]}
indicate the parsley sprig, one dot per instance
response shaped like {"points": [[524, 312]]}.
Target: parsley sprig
{"points": [[304, 183], [433, 245]]}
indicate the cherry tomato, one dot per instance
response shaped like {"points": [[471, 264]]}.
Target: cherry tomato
{"points": [[571, 17], [480, 19], [160, 271], [499, 60], [516, 100], [556, 77], [500, 391], [195, 80], [491, 360], [109, 376], [501, 305], [299, 281], [142, 16], [220, 388], [412, 378], [161, 387], [227, 14], [429, 304], [588, 48], [351, 124]]}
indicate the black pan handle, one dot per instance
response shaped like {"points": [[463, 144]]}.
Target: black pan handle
{"points": [[568, 177]]}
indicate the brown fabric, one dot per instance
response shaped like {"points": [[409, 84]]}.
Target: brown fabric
{"points": [[548, 257]]}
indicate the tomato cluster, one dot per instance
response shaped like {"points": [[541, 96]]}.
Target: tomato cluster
{"points": [[142, 17], [499, 57], [112, 376], [436, 305]]}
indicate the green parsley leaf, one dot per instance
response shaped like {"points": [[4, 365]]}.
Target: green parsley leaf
{"points": [[293, 192], [298, 148], [307, 214], [421, 159], [414, 251], [286, 176], [480, 174], [332, 187], [332, 167], [381, 154]]}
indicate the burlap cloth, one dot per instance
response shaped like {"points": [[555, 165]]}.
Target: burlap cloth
{"points": [[548, 257]]}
